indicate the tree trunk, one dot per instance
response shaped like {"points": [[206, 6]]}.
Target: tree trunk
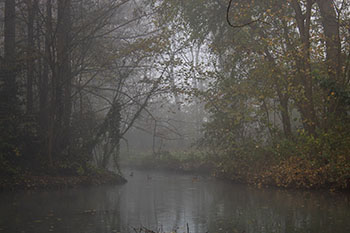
{"points": [[305, 101], [30, 55], [334, 61], [283, 98], [331, 30], [9, 69], [46, 112], [63, 82], [287, 129], [44, 80]]}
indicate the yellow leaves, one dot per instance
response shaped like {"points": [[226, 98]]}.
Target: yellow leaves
{"points": [[295, 172], [16, 151]]}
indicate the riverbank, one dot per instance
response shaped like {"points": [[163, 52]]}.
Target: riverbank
{"points": [[293, 173], [182, 161], [31, 181], [288, 173]]}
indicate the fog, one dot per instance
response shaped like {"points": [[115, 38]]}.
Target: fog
{"points": [[252, 92]]}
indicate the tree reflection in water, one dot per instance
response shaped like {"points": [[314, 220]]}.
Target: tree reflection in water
{"points": [[169, 202]]}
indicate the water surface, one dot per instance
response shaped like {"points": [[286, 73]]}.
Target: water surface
{"points": [[167, 201]]}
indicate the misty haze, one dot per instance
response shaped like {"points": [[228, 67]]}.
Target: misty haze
{"points": [[162, 116]]}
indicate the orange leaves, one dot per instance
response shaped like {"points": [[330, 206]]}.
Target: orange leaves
{"points": [[292, 172]]}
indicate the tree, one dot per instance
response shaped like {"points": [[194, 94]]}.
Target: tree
{"points": [[286, 57], [9, 65], [9, 137], [77, 53]]}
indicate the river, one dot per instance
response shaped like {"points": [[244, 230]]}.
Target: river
{"points": [[168, 201]]}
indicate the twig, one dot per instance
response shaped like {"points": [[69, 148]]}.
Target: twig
{"points": [[241, 25]]}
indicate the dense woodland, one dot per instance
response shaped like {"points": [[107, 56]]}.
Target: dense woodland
{"points": [[75, 75], [265, 84]]}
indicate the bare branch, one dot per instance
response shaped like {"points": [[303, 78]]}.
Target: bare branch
{"points": [[240, 25]]}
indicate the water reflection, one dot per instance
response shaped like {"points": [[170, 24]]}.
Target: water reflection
{"points": [[169, 201]]}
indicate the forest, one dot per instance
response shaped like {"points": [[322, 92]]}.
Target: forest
{"points": [[257, 91]]}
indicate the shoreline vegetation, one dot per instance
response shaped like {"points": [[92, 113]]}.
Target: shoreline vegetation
{"points": [[261, 171], [33, 181], [288, 173]]}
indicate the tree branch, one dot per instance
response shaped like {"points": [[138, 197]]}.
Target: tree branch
{"points": [[240, 25]]}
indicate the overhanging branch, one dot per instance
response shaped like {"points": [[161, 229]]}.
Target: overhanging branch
{"points": [[240, 25]]}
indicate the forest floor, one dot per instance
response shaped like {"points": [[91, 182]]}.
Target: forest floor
{"points": [[29, 181]]}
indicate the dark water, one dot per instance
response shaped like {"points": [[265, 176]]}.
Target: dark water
{"points": [[168, 202]]}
